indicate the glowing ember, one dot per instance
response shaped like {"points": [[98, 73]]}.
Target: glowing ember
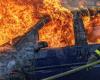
{"points": [[59, 32]]}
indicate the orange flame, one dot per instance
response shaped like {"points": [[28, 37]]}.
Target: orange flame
{"points": [[18, 16], [92, 26], [59, 32], [15, 19], [91, 23]]}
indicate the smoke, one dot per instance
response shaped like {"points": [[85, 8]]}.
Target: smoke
{"points": [[77, 3]]}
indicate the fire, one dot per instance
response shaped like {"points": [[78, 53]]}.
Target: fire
{"points": [[94, 30], [92, 26], [15, 19], [58, 32], [18, 16]]}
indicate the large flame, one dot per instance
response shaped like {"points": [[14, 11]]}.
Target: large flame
{"points": [[59, 32], [18, 16], [15, 19], [92, 26], [91, 21]]}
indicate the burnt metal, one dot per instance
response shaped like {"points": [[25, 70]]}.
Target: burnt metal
{"points": [[90, 11], [34, 30], [16, 75], [40, 45], [74, 54], [30, 35], [24, 54], [33, 65], [80, 34]]}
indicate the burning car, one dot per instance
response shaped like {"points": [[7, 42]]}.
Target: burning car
{"points": [[68, 36]]}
